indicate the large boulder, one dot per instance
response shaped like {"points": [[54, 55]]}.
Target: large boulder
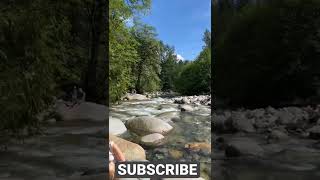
{"points": [[83, 111], [243, 147], [116, 126], [132, 151], [147, 125], [154, 139]]}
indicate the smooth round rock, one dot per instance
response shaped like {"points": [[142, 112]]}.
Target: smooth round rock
{"points": [[116, 126], [154, 139], [147, 125]]}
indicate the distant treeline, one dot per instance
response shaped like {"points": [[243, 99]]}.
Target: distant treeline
{"points": [[266, 53], [140, 62]]}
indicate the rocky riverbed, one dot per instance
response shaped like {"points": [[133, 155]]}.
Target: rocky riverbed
{"points": [[72, 147], [165, 128], [267, 143]]}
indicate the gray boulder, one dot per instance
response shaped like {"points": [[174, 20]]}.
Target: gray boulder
{"points": [[147, 125], [83, 111], [116, 126]]}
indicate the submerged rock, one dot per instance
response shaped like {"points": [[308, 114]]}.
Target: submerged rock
{"points": [[175, 154], [242, 147], [154, 139], [169, 116], [197, 146]]}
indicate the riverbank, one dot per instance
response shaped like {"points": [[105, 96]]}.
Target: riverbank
{"points": [[72, 146], [267, 143]]}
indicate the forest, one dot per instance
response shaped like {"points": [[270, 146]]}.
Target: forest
{"points": [[49, 47], [140, 61], [267, 52]]}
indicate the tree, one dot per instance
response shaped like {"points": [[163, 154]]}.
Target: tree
{"points": [[195, 76], [168, 67], [122, 45], [147, 69]]}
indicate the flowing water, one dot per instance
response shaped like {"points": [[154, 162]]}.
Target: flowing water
{"points": [[191, 127]]}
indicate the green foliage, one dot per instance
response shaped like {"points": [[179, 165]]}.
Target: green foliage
{"points": [[124, 47], [269, 53], [195, 77], [32, 46], [147, 68], [168, 67]]}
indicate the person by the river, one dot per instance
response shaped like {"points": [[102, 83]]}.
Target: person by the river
{"points": [[77, 97], [115, 154]]}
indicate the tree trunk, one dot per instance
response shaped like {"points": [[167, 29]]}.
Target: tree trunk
{"points": [[97, 27]]}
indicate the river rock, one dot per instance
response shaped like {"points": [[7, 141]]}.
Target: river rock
{"points": [[132, 151], [242, 123], [83, 111], [243, 146], [186, 107], [169, 116], [131, 97], [278, 135], [291, 116], [197, 146], [314, 132], [175, 154], [116, 126], [154, 139], [147, 125]]}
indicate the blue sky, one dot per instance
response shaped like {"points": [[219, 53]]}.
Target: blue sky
{"points": [[181, 23]]}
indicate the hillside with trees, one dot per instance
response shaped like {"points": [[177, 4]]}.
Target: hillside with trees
{"points": [[49, 47], [267, 53]]}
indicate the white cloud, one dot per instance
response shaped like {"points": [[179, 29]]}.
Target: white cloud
{"points": [[179, 57]]}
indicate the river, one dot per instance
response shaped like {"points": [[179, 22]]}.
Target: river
{"points": [[190, 127]]}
